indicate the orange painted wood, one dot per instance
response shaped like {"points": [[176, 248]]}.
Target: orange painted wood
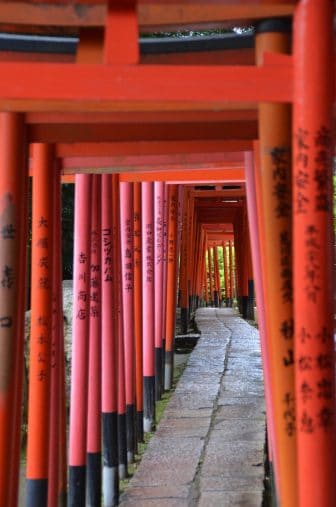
{"points": [[41, 315], [13, 185], [94, 87], [275, 181], [57, 435], [313, 270], [230, 150], [171, 269], [178, 130], [138, 297], [151, 16]]}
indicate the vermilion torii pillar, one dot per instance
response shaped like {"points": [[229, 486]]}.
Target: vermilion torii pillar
{"points": [[275, 186], [57, 439], [138, 309], [127, 287], [80, 344], [118, 322], [313, 140], [184, 294], [256, 238], [13, 234], [171, 284], [147, 223], [109, 345], [216, 276], [40, 326], [158, 278], [95, 356]]}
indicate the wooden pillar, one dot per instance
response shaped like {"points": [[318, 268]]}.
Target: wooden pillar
{"points": [[118, 329], [313, 140], [57, 437], [127, 287], [80, 330], [171, 284], [158, 278], [138, 309], [216, 276], [254, 207], [95, 329], [230, 274], [164, 280], [109, 339], [226, 274], [40, 325], [13, 240], [184, 294], [211, 278], [147, 224], [275, 178]]}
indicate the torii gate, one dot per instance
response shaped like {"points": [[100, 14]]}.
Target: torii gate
{"points": [[195, 112]]}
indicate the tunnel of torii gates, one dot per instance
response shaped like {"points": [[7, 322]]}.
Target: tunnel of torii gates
{"points": [[182, 151]]}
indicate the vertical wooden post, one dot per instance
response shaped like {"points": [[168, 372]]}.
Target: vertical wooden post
{"points": [[93, 462], [40, 326], [56, 489], [210, 277], [216, 276], [275, 179], [127, 287], [122, 433], [206, 281], [164, 280], [13, 234], [138, 309], [148, 304], [109, 365], [226, 277], [158, 279], [171, 284], [256, 234], [314, 92], [230, 275], [184, 296], [80, 329]]}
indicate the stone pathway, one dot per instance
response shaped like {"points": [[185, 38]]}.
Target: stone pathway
{"points": [[209, 447]]}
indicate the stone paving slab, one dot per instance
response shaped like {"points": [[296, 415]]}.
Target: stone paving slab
{"points": [[208, 449]]}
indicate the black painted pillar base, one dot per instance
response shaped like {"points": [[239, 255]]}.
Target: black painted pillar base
{"points": [[77, 483], [216, 299], [93, 477], [37, 489], [110, 422], [158, 373], [149, 404], [122, 446], [163, 357], [139, 426], [184, 320], [168, 369], [250, 304], [130, 433], [244, 303]]}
